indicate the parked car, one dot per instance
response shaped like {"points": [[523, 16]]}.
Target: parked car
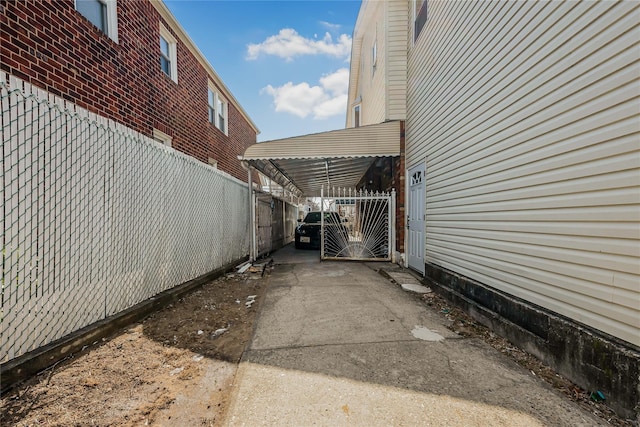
{"points": [[308, 231]]}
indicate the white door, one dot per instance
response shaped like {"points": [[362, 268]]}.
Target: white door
{"points": [[415, 218]]}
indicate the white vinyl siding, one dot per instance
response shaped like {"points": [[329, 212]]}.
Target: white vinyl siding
{"points": [[353, 96], [370, 85], [527, 114], [381, 27], [396, 60]]}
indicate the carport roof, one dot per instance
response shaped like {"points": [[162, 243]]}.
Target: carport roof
{"points": [[339, 158]]}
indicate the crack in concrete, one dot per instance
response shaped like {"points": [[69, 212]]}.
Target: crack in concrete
{"points": [[294, 347]]}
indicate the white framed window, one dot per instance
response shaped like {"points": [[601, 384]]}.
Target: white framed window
{"points": [[374, 55], [101, 13], [419, 17], [168, 54], [217, 108], [356, 115], [211, 106], [162, 137], [221, 109]]}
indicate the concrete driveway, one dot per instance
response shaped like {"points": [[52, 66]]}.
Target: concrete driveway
{"points": [[337, 344]]}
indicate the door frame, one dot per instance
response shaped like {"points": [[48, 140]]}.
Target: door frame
{"points": [[407, 182]]}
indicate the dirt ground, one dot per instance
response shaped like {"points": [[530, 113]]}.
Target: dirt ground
{"points": [[177, 366], [154, 372]]}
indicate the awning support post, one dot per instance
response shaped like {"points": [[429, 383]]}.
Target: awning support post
{"points": [[252, 217], [322, 222]]}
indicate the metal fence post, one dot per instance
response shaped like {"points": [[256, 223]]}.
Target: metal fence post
{"points": [[392, 225], [322, 222], [252, 217]]}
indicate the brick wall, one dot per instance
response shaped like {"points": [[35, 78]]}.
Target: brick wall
{"points": [[399, 185], [50, 45], [387, 174]]}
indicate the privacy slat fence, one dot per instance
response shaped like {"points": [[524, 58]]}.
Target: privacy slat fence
{"points": [[276, 221], [97, 218]]}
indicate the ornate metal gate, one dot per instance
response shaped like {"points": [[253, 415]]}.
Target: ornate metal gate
{"points": [[357, 225]]}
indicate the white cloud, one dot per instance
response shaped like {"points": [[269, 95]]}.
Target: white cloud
{"points": [[336, 83], [297, 99], [323, 101], [331, 27], [331, 107], [288, 44]]}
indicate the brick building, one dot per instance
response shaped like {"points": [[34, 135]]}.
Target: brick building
{"points": [[132, 62]]}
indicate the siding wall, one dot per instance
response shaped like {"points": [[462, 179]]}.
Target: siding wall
{"points": [[527, 115], [371, 85], [383, 92], [396, 59]]}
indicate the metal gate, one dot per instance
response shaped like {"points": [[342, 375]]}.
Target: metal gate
{"points": [[357, 225]]}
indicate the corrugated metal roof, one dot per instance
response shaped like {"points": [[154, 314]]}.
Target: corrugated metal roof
{"points": [[303, 164], [378, 140]]}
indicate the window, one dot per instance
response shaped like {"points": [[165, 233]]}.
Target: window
{"points": [[416, 178], [168, 54], [222, 115], [217, 109], [165, 58], [374, 55], [356, 116], [212, 106], [101, 13], [162, 137], [419, 17]]}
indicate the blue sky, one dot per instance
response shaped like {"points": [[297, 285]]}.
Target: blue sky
{"points": [[286, 62]]}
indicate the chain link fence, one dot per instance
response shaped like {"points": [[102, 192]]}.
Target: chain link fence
{"points": [[97, 218]]}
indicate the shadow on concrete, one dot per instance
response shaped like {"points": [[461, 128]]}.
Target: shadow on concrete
{"points": [[336, 343], [290, 255]]}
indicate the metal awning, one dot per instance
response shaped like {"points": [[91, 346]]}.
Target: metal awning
{"points": [[339, 158]]}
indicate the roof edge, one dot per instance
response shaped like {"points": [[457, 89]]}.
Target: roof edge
{"points": [[283, 147], [329, 131], [166, 14]]}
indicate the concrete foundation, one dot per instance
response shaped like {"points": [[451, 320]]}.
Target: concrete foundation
{"points": [[590, 358]]}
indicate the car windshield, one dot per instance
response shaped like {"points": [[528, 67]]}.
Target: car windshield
{"points": [[314, 217]]}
